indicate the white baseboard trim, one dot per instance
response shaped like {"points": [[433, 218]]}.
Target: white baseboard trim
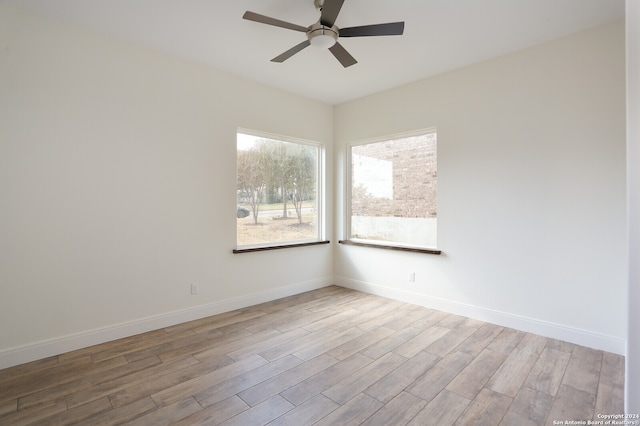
{"points": [[529, 325], [50, 347]]}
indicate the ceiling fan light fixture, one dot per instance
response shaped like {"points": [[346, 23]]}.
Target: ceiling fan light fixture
{"points": [[324, 41], [323, 37]]}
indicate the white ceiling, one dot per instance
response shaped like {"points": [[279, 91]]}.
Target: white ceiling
{"points": [[440, 35]]}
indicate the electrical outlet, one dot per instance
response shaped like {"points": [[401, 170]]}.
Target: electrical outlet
{"points": [[412, 277], [195, 288]]}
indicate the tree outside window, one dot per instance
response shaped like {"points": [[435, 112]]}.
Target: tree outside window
{"points": [[277, 182]]}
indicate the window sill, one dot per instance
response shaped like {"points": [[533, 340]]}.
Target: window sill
{"points": [[388, 247], [283, 246]]}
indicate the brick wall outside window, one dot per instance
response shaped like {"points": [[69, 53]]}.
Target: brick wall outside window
{"points": [[414, 170]]}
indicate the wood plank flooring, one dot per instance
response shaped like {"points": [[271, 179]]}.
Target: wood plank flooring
{"points": [[327, 357]]}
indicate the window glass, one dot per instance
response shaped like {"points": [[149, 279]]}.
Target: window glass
{"points": [[278, 191], [394, 191]]}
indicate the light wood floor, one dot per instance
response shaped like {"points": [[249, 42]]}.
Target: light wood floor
{"points": [[327, 357]]}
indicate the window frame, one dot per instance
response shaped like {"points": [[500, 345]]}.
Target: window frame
{"points": [[362, 242], [320, 237]]}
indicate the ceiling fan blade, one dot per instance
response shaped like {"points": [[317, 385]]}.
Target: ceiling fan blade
{"points": [[256, 17], [289, 53], [342, 55], [330, 10], [391, 28]]}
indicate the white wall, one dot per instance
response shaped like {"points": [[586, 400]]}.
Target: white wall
{"points": [[117, 189], [632, 370], [531, 187]]}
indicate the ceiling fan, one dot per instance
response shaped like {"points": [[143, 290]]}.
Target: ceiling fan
{"points": [[325, 33]]}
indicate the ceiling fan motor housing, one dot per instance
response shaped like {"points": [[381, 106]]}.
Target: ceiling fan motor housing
{"points": [[323, 36]]}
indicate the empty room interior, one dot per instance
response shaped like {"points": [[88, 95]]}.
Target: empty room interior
{"points": [[461, 248]]}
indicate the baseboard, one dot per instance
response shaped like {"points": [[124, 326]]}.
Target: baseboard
{"points": [[38, 350], [43, 349], [529, 325]]}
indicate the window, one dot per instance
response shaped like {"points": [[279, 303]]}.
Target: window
{"points": [[278, 190], [393, 192]]}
